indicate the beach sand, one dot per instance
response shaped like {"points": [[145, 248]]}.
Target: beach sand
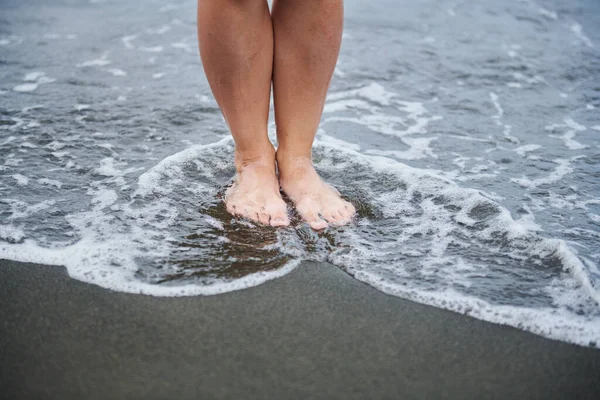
{"points": [[315, 333]]}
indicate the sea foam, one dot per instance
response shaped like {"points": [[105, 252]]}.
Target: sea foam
{"points": [[417, 235]]}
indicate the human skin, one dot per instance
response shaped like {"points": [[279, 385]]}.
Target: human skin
{"points": [[244, 48]]}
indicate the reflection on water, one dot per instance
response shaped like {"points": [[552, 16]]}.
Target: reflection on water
{"points": [[228, 248]]}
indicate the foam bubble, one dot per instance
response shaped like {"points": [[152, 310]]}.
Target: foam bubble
{"points": [[26, 87], [33, 76], [99, 62], [11, 234], [154, 49], [550, 14], [578, 31], [126, 40], [523, 150], [117, 72], [21, 179]]}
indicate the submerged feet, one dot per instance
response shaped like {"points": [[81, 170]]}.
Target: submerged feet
{"points": [[318, 203], [255, 192]]}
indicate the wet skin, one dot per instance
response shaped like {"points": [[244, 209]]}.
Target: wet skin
{"points": [[245, 48]]}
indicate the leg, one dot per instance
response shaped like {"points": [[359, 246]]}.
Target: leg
{"points": [[308, 35], [236, 47]]}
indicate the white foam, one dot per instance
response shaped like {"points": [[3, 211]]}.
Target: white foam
{"points": [[159, 31], [114, 233], [548, 13], [81, 107], [11, 233], [369, 105], [22, 180], [572, 128], [564, 168], [186, 47], [559, 323], [98, 62], [112, 168], [578, 31], [26, 87], [523, 150], [117, 72], [373, 92], [33, 76], [418, 148], [498, 118], [20, 209], [126, 40], [50, 182], [154, 49], [107, 251]]}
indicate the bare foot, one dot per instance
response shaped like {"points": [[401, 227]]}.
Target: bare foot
{"points": [[318, 203], [255, 195]]}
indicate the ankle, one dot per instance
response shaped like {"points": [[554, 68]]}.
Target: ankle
{"points": [[293, 166], [255, 158], [291, 158]]}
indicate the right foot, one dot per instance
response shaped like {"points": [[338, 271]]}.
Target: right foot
{"points": [[318, 203], [255, 195]]}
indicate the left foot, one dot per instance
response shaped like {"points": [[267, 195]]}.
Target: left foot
{"points": [[318, 203]]}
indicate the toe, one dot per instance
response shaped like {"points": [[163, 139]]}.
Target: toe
{"points": [[333, 217], [263, 218], [250, 213], [350, 207], [232, 209], [278, 214], [346, 212], [309, 211], [345, 215], [280, 218], [312, 218], [317, 223]]}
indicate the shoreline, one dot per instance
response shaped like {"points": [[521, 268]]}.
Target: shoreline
{"points": [[313, 333]]}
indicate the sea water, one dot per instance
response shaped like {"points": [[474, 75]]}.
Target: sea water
{"points": [[466, 134]]}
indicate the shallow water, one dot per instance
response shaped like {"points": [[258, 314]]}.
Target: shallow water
{"points": [[467, 135]]}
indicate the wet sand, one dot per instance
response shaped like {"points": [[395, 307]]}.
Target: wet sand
{"points": [[315, 333]]}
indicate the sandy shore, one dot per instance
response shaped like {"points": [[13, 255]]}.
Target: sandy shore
{"points": [[315, 333]]}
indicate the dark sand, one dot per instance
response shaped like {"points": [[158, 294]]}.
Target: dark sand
{"points": [[316, 333]]}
